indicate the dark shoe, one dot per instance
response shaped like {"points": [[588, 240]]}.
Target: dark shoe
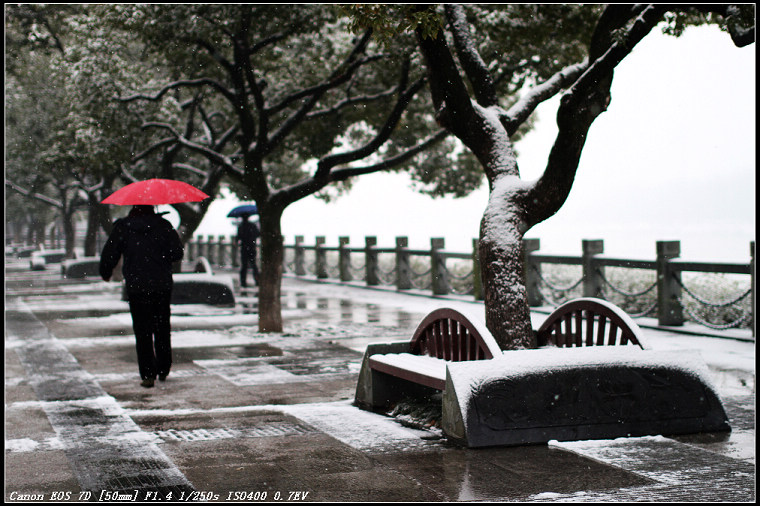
{"points": [[162, 377], [147, 383]]}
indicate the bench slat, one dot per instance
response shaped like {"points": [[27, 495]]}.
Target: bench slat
{"points": [[606, 324], [449, 335], [420, 369]]}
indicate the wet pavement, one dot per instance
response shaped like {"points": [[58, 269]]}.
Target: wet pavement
{"points": [[252, 417]]}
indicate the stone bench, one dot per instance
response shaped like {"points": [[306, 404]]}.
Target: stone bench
{"points": [[446, 335], [40, 258], [561, 394], [593, 377], [25, 251], [201, 286], [78, 268]]}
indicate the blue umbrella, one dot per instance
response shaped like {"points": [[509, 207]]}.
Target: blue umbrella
{"points": [[244, 210]]}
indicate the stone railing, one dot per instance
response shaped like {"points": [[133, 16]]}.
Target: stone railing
{"points": [[442, 272]]}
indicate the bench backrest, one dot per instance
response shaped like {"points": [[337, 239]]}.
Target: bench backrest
{"points": [[589, 322], [450, 335]]}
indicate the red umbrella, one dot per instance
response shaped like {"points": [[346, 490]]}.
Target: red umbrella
{"points": [[153, 192]]}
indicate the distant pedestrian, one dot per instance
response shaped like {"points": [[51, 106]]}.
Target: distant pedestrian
{"points": [[247, 235], [149, 245]]}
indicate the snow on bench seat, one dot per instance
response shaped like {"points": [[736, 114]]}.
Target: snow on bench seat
{"points": [[422, 369]]}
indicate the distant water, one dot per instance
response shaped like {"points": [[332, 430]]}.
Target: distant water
{"points": [[458, 221]]}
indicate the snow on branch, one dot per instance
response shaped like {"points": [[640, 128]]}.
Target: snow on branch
{"points": [[204, 81], [521, 110], [472, 63]]}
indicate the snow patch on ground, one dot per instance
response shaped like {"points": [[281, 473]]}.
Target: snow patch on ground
{"points": [[367, 431]]}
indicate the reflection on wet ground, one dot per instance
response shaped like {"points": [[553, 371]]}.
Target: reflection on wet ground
{"points": [[75, 299], [335, 310]]}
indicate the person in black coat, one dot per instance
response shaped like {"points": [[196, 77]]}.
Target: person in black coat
{"points": [[248, 234], [149, 245]]}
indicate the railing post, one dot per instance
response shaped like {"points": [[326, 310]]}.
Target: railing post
{"points": [[228, 250], [299, 254], [344, 259], [532, 271], [370, 261], [403, 270], [320, 260], [234, 253], [440, 279], [669, 310], [192, 246], [753, 286], [204, 246], [199, 248], [592, 280], [213, 250], [477, 281], [221, 251]]}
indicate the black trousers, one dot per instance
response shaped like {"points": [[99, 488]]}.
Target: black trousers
{"points": [[151, 313], [248, 259]]}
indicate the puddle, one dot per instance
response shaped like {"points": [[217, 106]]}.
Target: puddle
{"points": [[185, 355]]}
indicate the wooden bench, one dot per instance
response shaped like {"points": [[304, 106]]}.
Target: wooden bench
{"points": [[391, 371], [445, 335], [589, 322]]}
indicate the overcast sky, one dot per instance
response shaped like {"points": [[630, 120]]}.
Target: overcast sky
{"points": [[673, 158]]}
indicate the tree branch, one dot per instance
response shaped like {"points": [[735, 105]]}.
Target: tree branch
{"points": [[521, 110], [178, 84], [328, 162], [474, 67], [453, 107], [319, 89], [587, 98], [34, 195], [338, 77], [352, 101], [293, 193], [343, 174]]}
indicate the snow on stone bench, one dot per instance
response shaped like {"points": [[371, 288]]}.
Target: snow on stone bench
{"points": [[593, 377], [201, 286], [39, 259], [77, 268], [422, 369], [535, 396]]}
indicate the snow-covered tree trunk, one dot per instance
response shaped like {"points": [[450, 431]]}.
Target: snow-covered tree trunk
{"points": [[270, 275], [503, 277]]}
